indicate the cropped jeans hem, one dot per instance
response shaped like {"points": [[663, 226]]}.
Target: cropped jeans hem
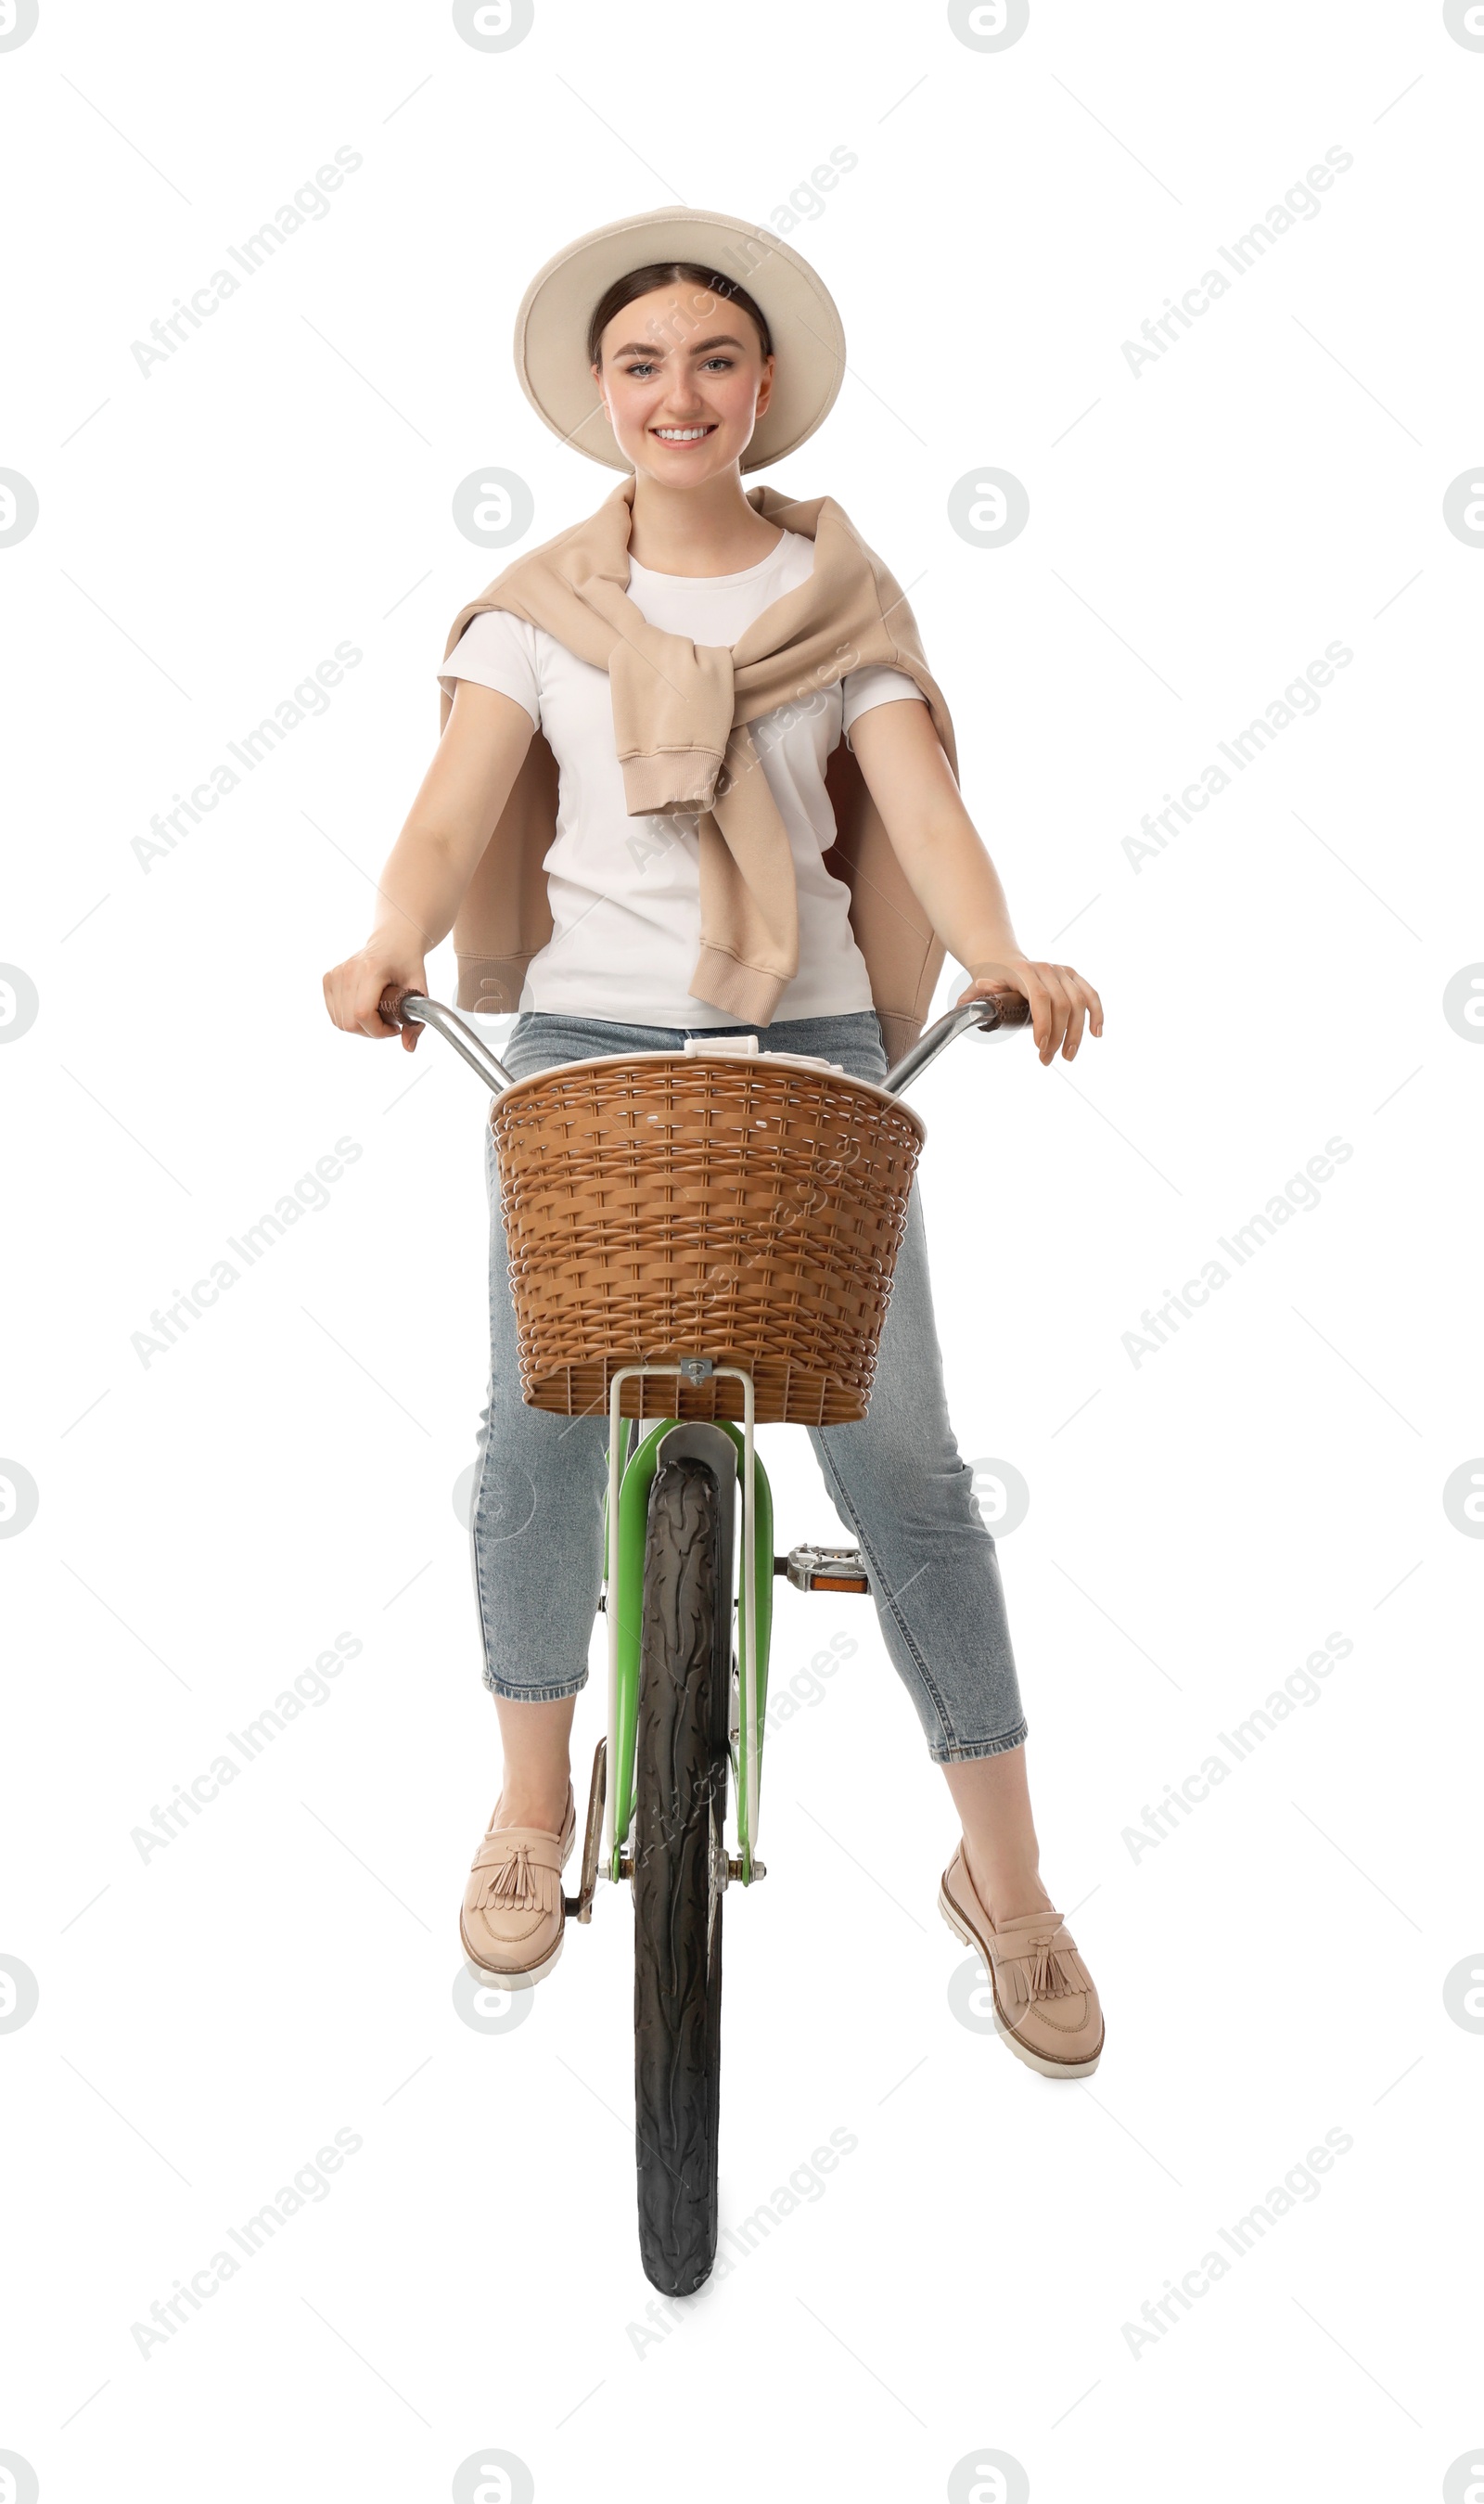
{"points": [[535, 1694], [962, 1752]]}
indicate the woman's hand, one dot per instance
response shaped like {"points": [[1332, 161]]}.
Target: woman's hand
{"points": [[353, 989], [1061, 1001]]}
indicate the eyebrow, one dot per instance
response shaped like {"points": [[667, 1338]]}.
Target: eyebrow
{"points": [[642, 348]]}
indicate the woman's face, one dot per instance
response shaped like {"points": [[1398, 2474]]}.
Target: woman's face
{"points": [[684, 381]]}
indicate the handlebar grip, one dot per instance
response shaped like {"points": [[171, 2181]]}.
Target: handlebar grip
{"points": [[388, 1006], [1014, 1009]]}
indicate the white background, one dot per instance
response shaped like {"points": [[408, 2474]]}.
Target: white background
{"points": [[1199, 1521]]}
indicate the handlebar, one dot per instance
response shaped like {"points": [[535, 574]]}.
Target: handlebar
{"points": [[1006, 1008], [401, 1006]]}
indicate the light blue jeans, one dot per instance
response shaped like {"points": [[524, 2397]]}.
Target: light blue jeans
{"points": [[896, 1478]]}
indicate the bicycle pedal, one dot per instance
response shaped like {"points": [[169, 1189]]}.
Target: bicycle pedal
{"points": [[581, 1905], [824, 1569]]}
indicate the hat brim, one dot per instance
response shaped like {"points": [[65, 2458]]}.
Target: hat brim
{"points": [[551, 326]]}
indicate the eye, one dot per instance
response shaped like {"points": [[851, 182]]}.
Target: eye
{"points": [[725, 363], [636, 371]]}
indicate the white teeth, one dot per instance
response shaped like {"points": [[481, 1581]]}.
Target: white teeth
{"points": [[681, 433]]}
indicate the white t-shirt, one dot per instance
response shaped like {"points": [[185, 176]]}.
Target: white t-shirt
{"points": [[626, 892]]}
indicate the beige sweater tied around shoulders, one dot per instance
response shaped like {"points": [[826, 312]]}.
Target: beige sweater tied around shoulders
{"points": [[681, 725]]}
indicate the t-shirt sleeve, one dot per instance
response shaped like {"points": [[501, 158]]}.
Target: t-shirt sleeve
{"points": [[498, 650], [862, 690]]}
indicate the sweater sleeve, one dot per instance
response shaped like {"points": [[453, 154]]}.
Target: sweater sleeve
{"points": [[498, 650]]}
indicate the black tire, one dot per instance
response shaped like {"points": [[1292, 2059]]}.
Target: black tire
{"points": [[679, 1804]]}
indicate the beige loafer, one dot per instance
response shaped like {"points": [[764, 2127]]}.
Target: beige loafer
{"points": [[514, 1916], [1045, 2003]]}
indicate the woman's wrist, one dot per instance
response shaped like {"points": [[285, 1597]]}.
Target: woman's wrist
{"points": [[398, 938]]}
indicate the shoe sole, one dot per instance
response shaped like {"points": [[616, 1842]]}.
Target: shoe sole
{"points": [[1037, 2061], [523, 1981], [528, 1975]]}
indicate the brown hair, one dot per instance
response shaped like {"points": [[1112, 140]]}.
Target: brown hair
{"points": [[670, 273]]}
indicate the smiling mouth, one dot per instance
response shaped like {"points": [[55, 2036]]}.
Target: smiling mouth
{"points": [[681, 433]]}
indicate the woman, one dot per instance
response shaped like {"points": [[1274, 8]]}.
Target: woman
{"points": [[646, 712]]}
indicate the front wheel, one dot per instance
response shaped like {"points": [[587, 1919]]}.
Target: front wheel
{"points": [[679, 1874]]}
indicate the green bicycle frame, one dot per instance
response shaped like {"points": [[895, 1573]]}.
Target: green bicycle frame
{"points": [[628, 1597]]}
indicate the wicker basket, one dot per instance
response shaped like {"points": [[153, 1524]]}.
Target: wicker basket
{"points": [[667, 1205]]}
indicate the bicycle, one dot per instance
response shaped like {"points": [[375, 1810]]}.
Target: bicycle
{"points": [[728, 1220]]}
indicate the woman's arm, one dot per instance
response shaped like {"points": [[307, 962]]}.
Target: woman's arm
{"points": [[456, 812], [954, 880]]}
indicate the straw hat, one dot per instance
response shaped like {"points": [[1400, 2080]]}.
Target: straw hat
{"points": [[551, 326]]}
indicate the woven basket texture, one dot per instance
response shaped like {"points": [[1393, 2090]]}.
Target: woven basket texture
{"points": [[672, 1206]]}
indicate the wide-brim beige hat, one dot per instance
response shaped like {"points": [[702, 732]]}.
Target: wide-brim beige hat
{"points": [[551, 326]]}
